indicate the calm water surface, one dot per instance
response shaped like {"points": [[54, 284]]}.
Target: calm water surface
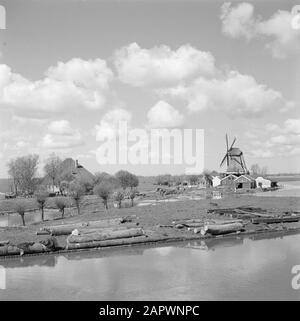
{"points": [[291, 188], [235, 268]]}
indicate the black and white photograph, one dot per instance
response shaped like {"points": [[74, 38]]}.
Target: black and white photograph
{"points": [[149, 151]]}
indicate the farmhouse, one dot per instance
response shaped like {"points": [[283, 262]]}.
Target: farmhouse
{"points": [[69, 170]]}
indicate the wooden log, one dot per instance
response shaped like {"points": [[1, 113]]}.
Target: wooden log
{"points": [[105, 223], [272, 220], [114, 242], [66, 229], [4, 242], [42, 232], [218, 229], [102, 236], [88, 230], [217, 221], [9, 250]]}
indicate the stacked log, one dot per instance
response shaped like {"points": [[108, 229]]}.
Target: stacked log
{"points": [[219, 229], [273, 220], [107, 235], [66, 229], [9, 250]]}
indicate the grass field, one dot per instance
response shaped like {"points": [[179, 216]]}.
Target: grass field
{"points": [[151, 217]]}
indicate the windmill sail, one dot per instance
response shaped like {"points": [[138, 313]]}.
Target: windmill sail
{"points": [[234, 158]]}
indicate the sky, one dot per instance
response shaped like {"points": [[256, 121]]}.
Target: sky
{"points": [[71, 69]]}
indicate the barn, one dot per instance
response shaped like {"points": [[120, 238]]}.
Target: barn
{"points": [[229, 180], [244, 182]]}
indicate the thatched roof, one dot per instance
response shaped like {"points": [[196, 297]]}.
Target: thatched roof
{"points": [[71, 170]]}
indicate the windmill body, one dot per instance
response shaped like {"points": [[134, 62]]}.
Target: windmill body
{"points": [[234, 160]]}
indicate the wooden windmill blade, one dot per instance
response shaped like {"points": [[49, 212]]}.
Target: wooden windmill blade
{"points": [[227, 154]]}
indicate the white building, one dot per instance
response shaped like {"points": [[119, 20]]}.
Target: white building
{"points": [[262, 182], [216, 181]]}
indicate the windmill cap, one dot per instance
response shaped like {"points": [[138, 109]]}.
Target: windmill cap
{"points": [[235, 152]]}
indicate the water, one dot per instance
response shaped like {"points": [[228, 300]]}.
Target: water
{"points": [[232, 268], [291, 188]]}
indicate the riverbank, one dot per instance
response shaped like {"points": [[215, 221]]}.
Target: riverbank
{"points": [[157, 219]]}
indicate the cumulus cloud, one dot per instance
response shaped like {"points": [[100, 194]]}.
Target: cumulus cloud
{"points": [[62, 136], [163, 115], [233, 93], [238, 21], [75, 84], [109, 124], [282, 40], [278, 140], [51, 141], [161, 65], [60, 127]]}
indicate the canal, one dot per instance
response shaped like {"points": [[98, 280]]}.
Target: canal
{"points": [[230, 268]]}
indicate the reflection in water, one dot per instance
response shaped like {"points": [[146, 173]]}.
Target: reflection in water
{"points": [[227, 268]]}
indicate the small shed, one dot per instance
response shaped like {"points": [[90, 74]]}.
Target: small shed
{"points": [[216, 181], [244, 182], [263, 182], [229, 180]]}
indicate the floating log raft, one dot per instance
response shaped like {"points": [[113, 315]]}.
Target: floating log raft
{"points": [[102, 236], [218, 229], [67, 229], [272, 220]]}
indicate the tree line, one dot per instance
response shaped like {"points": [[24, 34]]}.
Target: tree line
{"points": [[23, 171]]}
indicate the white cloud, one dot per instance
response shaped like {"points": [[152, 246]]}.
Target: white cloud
{"points": [[282, 40], [163, 115], [238, 21], [75, 84], [62, 136], [233, 93], [109, 124], [277, 140], [53, 142], [60, 127], [161, 65]]}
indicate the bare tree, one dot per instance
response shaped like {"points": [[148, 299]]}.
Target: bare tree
{"points": [[77, 191], [104, 190], [23, 170], [52, 168], [14, 173], [41, 198], [61, 203], [132, 195], [118, 197], [20, 208], [127, 179], [257, 170]]}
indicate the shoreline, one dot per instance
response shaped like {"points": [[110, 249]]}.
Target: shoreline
{"points": [[159, 221], [162, 240]]}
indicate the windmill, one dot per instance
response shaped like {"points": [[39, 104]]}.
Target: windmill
{"points": [[234, 159]]}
